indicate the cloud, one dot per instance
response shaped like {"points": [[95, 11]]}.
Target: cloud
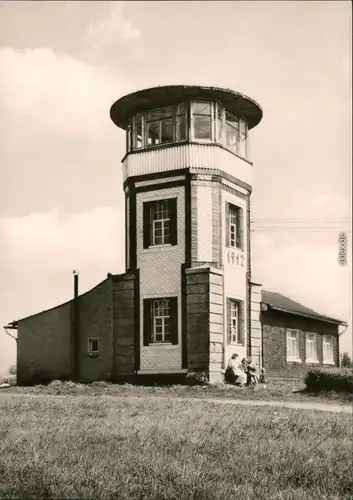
{"points": [[58, 91], [54, 241], [106, 32]]}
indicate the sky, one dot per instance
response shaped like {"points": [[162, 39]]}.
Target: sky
{"points": [[62, 65]]}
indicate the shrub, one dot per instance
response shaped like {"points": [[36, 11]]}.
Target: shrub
{"points": [[329, 379], [196, 378], [346, 361], [12, 370]]}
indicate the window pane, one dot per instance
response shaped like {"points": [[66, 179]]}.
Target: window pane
{"points": [[128, 138], [153, 133], [181, 128], [201, 108], [138, 131], [232, 120], [94, 345], [220, 124], [202, 127], [231, 137], [167, 131], [181, 108], [158, 114]]}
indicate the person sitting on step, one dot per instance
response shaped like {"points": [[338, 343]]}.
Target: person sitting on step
{"points": [[234, 373]]}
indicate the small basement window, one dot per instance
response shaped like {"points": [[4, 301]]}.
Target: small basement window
{"points": [[93, 346]]}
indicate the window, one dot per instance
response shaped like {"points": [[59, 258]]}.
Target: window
{"points": [[137, 135], [235, 322], [128, 137], [242, 145], [232, 132], [311, 347], [181, 122], [327, 350], [234, 217], [220, 124], [93, 346], [201, 120], [160, 223], [160, 126], [293, 345], [210, 121], [160, 321]]}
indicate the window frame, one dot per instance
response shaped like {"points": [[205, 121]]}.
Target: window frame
{"points": [[153, 222], [240, 330], [216, 136], [92, 352], [149, 324], [239, 224], [326, 361], [290, 357], [163, 318], [313, 341], [192, 121], [148, 226], [171, 117]]}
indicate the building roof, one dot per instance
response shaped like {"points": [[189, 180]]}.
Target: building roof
{"points": [[279, 302], [142, 100], [273, 300]]}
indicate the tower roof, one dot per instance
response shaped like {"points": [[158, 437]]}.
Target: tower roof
{"points": [[142, 100]]}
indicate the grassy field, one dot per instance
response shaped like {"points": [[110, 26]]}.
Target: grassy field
{"points": [[90, 447], [279, 391]]}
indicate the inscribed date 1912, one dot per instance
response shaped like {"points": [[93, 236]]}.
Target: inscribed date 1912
{"points": [[235, 258]]}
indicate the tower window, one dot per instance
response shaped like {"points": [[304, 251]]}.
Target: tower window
{"points": [[160, 223], [210, 122], [201, 120], [232, 133], [137, 128], [181, 122], [234, 226], [235, 322], [160, 321], [160, 227], [160, 126]]}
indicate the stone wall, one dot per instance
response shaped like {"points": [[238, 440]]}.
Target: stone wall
{"points": [[125, 324], [204, 321]]}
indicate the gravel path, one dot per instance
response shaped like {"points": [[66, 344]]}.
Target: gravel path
{"points": [[301, 405]]}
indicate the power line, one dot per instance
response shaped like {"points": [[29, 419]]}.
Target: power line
{"points": [[303, 229], [275, 220]]}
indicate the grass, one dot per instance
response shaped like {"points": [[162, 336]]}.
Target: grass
{"points": [[97, 447], [279, 391]]}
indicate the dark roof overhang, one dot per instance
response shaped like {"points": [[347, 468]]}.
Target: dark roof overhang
{"points": [[143, 100]]}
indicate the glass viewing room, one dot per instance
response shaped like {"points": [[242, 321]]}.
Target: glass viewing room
{"points": [[194, 121]]}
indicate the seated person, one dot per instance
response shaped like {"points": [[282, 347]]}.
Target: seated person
{"points": [[234, 372], [252, 378]]}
